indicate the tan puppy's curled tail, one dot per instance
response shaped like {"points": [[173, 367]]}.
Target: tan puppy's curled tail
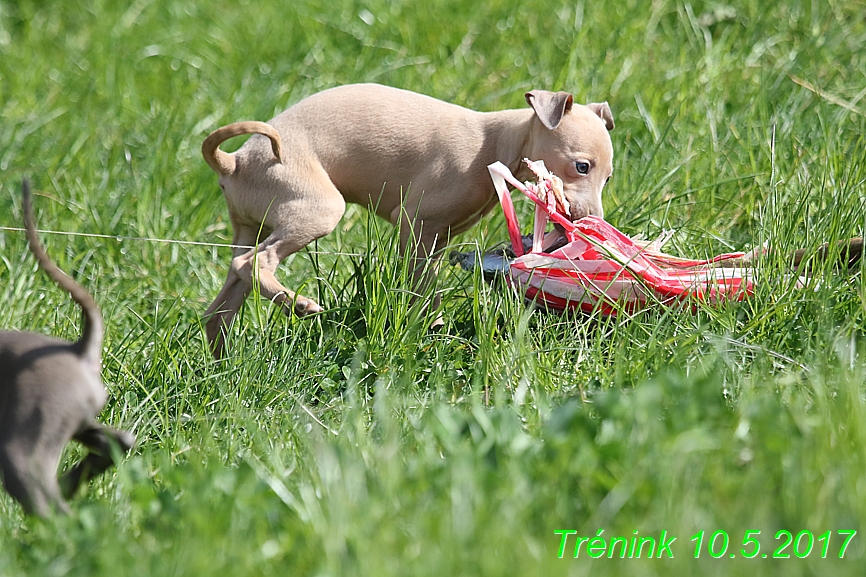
{"points": [[89, 345], [224, 163]]}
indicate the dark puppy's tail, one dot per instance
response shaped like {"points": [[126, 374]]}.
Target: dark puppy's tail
{"points": [[224, 163], [90, 343]]}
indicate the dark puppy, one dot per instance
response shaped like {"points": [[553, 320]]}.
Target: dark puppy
{"points": [[50, 392]]}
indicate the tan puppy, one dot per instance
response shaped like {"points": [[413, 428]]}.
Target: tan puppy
{"points": [[419, 162]]}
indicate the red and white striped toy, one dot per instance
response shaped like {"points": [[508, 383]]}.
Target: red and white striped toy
{"points": [[600, 268]]}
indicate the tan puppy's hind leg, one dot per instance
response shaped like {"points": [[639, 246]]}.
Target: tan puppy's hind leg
{"points": [[228, 302], [312, 214], [222, 311], [260, 267]]}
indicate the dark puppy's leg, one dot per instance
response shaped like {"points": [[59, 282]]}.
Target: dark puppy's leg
{"points": [[107, 446], [30, 478]]}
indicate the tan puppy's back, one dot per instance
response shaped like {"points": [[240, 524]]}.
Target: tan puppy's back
{"points": [[360, 132]]}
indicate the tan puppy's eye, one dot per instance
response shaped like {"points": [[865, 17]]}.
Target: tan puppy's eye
{"points": [[581, 166]]}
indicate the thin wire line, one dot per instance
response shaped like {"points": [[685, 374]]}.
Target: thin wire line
{"points": [[122, 238], [119, 238]]}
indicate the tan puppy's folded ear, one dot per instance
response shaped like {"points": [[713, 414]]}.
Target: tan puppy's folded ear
{"points": [[603, 111], [550, 107]]}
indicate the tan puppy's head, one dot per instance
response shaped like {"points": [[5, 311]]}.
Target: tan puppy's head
{"points": [[574, 143]]}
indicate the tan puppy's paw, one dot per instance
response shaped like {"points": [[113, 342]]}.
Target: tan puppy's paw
{"points": [[304, 306], [438, 323]]}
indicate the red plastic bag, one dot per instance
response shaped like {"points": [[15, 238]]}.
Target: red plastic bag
{"points": [[600, 268]]}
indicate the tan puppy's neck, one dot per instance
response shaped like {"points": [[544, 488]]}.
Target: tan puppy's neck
{"points": [[511, 131]]}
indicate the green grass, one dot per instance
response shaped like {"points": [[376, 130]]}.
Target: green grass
{"points": [[358, 442]]}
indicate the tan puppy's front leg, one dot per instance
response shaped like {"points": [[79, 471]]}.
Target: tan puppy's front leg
{"points": [[420, 241]]}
